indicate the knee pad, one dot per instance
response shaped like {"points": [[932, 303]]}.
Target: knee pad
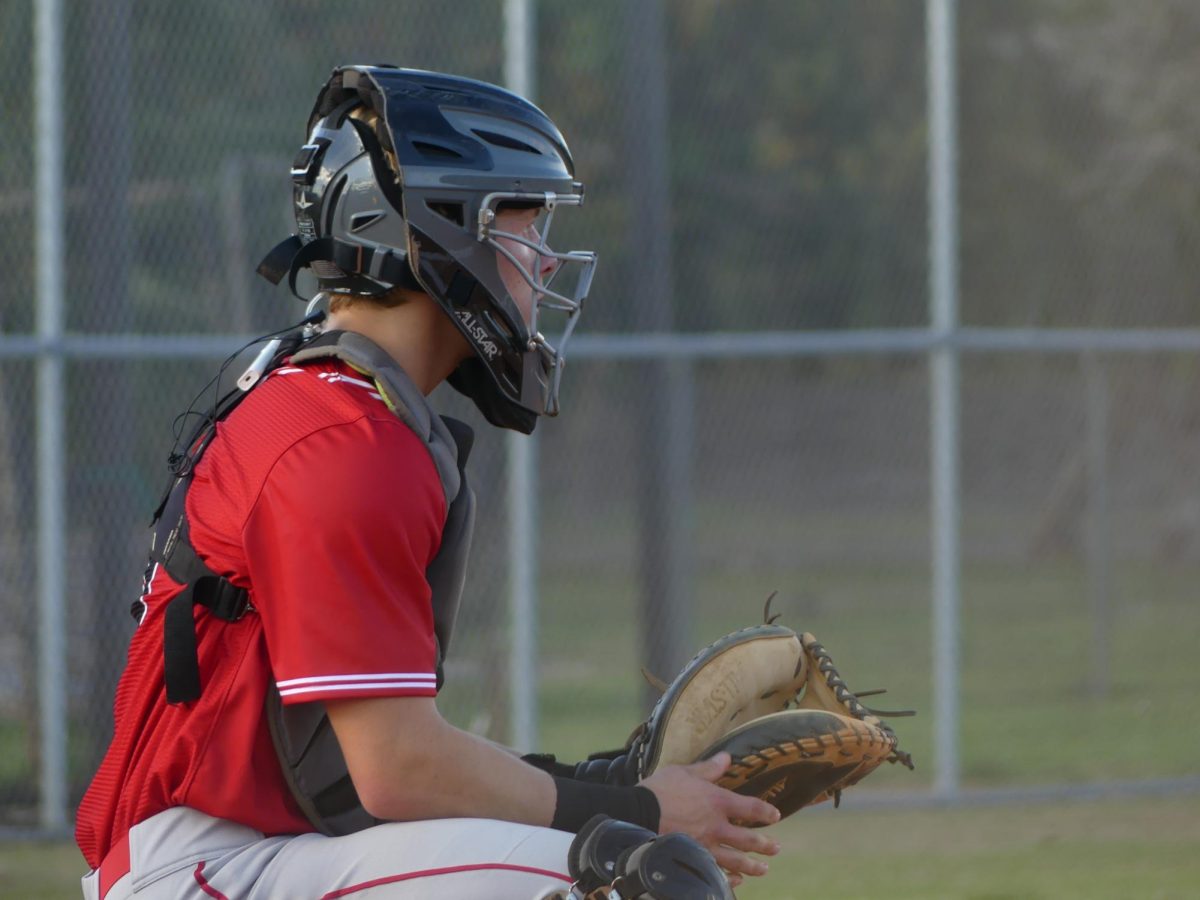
{"points": [[610, 859], [592, 859], [670, 867]]}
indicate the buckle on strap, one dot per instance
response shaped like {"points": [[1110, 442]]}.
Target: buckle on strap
{"points": [[221, 597]]}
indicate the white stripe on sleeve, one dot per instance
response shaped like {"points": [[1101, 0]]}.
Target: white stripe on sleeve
{"points": [[360, 686], [367, 676], [367, 681]]}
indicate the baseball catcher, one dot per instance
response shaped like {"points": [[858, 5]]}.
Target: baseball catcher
{"points": [[277, 730]]}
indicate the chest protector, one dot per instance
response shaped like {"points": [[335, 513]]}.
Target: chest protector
{"points": [[308, 751]]}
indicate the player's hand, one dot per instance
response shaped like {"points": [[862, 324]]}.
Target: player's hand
{"points": [[690, 802]]}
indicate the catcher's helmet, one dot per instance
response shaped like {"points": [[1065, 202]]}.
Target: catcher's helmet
{"points": [[398, 186]]}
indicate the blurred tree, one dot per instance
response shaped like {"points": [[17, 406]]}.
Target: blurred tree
{"points": [[17, 147], [797, 160], [800, 164], [1079, 163], [797, 150], [1139, 187]]}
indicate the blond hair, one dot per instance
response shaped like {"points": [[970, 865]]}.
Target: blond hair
{"points": [[393, 298]]}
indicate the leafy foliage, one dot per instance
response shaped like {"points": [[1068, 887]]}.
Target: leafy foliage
{"points": [[796, 154]]}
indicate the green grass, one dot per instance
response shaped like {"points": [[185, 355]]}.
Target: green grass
{"points": [[1144, 849], [40, 871]]}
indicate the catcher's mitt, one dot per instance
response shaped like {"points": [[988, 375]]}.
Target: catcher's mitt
{"points": [[774, 701]]}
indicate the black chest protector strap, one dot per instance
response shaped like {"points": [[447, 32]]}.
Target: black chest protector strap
{"points": [[171, 548]]}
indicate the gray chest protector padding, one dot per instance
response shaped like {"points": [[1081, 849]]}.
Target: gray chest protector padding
{"points": [[308, 750]]}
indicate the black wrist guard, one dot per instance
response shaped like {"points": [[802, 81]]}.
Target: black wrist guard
{"points": [[579, 801]]}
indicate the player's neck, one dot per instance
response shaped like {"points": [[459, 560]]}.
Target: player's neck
{"points": [[416, 334]]}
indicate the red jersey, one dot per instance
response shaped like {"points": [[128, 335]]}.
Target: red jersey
{"points": [[328, 509]]}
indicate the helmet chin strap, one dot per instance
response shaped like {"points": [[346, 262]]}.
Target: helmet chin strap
{"points": [[472, 379]]}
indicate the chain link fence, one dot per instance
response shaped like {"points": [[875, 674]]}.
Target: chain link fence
{"points": [[757, 180]]}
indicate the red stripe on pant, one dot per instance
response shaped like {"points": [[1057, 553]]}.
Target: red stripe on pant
{"points": [[449, 870], [204, 885], [114, 866]]}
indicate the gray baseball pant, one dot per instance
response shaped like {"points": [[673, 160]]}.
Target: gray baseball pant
{"points": [[183, 853]]}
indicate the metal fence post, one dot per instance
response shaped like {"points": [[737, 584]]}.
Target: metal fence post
{"points": [[519, 56], [1096, 527], [944, 389], [664, 571], [51, 457]]}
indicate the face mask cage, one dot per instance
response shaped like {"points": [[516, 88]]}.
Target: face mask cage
{"points": [[571, 275]]}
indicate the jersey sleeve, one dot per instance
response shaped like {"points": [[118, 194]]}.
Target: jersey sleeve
{"points": [[337, 545]]}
